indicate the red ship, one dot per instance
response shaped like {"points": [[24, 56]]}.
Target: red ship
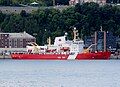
{"points": [[63, 50], [80, 56]]}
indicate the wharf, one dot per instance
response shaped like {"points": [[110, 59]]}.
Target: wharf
{"points": [[5, 52], [113, 56], [5, 57]]}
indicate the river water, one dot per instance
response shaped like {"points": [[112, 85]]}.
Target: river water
{"points": [[36, 73]]}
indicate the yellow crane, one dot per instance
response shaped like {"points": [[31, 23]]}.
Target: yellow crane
{"points": [[87, 50]]}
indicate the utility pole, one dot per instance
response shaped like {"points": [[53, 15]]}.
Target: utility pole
{"points": [[53, 2]]}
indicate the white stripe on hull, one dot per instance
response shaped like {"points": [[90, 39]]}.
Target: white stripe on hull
{"points": [[72, 56]]}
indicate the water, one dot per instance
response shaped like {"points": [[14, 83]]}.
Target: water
{"points": [[36, 73]]}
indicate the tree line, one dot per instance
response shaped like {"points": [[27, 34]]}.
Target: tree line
{"points": [[87, 18]]}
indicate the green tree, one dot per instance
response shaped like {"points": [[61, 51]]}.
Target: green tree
{"points": [[62, 2], [13, 23], [2, 16], [5, 2]]}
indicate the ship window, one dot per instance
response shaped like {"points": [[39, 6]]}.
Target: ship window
{"points": [[6, 35], [29, 45], [65, 38]]}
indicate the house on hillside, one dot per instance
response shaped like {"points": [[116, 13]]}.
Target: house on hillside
{"points": [[74, 2]]}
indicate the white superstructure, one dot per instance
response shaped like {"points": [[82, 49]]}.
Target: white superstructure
{"points": [[61, 45]]}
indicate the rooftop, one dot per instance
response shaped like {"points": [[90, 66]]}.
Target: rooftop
{"points": [[19, 35]]}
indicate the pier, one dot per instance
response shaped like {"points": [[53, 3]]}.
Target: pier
{"points": [[5, 57], [115, 56], [5, 52]]}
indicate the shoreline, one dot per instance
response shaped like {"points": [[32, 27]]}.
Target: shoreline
{"points": [[112, 57]]}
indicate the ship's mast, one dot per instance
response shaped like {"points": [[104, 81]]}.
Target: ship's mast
{"points": [[104, 41], [49, 41], [104, 38], [76, 34], [95, 41]]}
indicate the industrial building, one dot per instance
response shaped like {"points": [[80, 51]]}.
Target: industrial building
{"points": [[111, 41], [15, 40]]}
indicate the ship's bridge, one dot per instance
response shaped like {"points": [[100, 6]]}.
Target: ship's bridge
{"points": [[77, 46], [60, 40]]}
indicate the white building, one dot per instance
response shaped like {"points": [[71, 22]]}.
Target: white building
{"points": [[74, 2]]}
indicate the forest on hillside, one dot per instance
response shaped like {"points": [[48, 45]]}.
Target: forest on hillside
{"points": [[87, 18]]}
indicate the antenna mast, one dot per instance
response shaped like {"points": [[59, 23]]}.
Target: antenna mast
{"points": [[49, 41], [76, 34]]}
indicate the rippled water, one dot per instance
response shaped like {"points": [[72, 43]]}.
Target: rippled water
{"points": [[36, 73]]}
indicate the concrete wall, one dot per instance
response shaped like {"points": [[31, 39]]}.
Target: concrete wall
{"points": [[8, 9], [28, 9], [12, 49]]}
